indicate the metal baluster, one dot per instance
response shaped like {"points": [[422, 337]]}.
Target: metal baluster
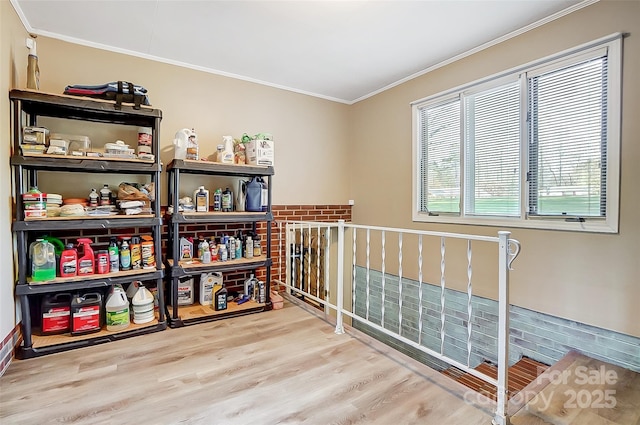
{"points": [[340, 280], [318, 264], [280, 251], [368, 264], [420, 289], [383, 276], [290, 271], [400, 283], [469, 307], [301, 276], [309, 242], [327, 238], [353, 273], [442, 287]]}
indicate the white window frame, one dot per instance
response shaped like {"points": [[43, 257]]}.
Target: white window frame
{"points": [[607, 224]]}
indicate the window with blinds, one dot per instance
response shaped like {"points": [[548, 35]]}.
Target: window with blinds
{"points": [[440, 158], [568, 139], [538, 146], [492, 142]]}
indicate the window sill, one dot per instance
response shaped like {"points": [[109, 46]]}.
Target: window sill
{"points": [[589, 225]]}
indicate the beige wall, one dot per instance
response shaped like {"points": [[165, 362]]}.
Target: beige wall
{"points": [[310, 133], [13, 65], [591, 278]]}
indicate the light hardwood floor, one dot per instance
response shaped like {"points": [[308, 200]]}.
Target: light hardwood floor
{"points": [[580, 390], [279, 367]]}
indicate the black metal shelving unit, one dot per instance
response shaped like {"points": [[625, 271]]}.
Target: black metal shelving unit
{"points": [[26, 107], [178, 270]]}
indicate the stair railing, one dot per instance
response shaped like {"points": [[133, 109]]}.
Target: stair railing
{"points": [[321, 256]]}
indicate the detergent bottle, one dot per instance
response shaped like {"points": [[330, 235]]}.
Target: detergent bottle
{"points": [[86, 258], [69, 262]]}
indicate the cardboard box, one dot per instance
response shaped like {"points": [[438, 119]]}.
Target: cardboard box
{"points": [[260, 152]]}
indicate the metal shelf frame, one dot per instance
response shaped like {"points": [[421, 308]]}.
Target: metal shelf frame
{"points": [[26, 107], [174, 169]]}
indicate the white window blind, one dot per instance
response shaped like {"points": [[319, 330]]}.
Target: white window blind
{"points": [[440, 158], [567, 140], [536, 146], [492, 142]]}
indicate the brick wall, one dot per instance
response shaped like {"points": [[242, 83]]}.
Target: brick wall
{"points": [[284, 213], [540, 336], [100, 237]]}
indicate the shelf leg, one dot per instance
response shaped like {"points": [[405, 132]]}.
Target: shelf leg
{"points": [[26, 322]]}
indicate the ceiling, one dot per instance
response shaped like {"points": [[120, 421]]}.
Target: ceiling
{"points": [[344, 51]]}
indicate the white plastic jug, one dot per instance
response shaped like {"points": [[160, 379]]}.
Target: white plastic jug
{"points": [[117, 309], [142, 306], [180, 143], [43, 260]]}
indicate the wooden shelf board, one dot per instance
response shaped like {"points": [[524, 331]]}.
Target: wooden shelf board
{"points": [[84, 157], [219, 164], [95, 276], [236, 262], [223, 214], [91, 217], [196, 311], [86, 99], [41, 341]]}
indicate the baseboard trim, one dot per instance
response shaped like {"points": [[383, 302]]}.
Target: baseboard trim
{"points": [[7, 348]]}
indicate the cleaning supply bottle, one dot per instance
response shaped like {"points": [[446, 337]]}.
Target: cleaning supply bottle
{"points": [[58, 247], [125, 254], [227, 200], [264, 194], [227, 153], [117, 309], [217, 200], [248, 248], [105, 195], [86, 258], [206, 252], [232, 248], [249, 285], [239, 243], [33, 71], [85, 313], [114, 256], [241, 195], [93, 198], [142, 304], [201, 199], [254, 195], [257, 249], [192, 146], [69, 262], [220, 299], [132, 289], [218, 153], [43, 260], [136, 256]]}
